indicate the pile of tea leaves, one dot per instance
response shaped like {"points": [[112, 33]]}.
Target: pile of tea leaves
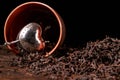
{"points": [[98, 60]]}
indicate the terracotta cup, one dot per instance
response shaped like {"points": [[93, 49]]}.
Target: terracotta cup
{"points": [[40, 13]]}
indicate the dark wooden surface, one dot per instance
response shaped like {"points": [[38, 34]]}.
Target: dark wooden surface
{"points": [[13, 73]]}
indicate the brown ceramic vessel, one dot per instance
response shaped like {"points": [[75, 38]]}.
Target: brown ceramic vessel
{"points": [[40, 13]]}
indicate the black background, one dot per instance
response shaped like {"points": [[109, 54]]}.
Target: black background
{"points": [[85, 21]]}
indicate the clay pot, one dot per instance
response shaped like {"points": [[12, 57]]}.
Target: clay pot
{"points": [[35, 12]]}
